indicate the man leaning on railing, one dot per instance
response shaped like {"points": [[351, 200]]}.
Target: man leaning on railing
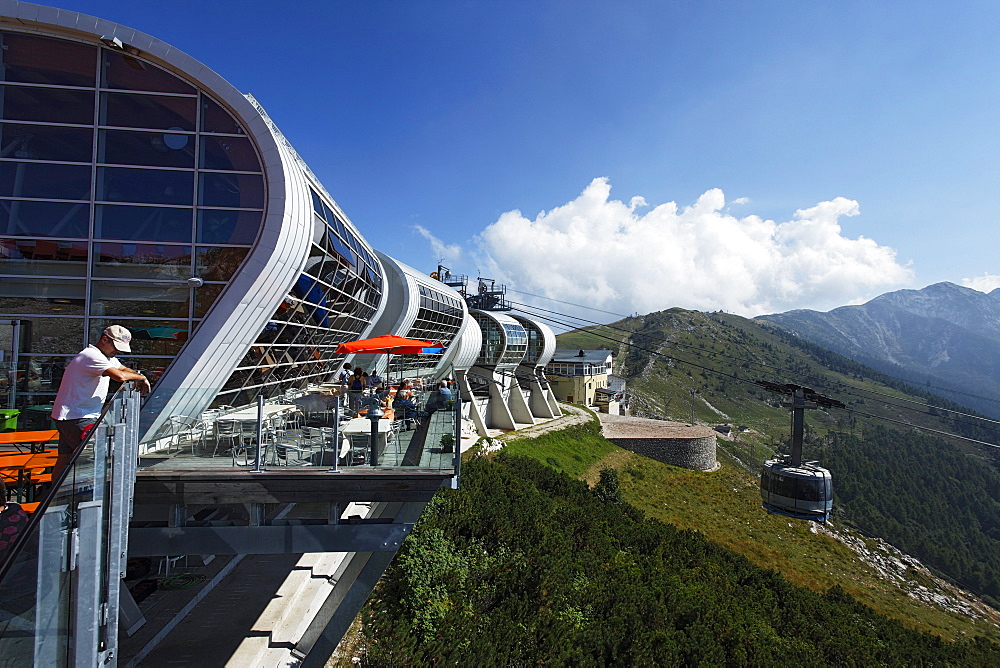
{"points": [[84, 388]]}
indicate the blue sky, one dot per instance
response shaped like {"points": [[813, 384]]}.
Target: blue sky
{"points": [[817, 153]]}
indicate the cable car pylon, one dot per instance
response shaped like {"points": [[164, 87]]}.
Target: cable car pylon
{"points": [[789, 486]]}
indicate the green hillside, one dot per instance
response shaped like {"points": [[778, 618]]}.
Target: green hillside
{"points": [[527, 564], [935, 498]]}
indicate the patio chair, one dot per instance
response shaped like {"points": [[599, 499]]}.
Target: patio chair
{"points": [[185, 431], [247, 447], [360, 449], [287, 442], [293, 419], [208, 418], [228, 431]]}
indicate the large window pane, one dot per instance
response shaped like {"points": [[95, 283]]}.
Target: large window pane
{"points": [[24, 296], [42, 257], [157, 300], [142, 261], [120, 184], [148, 111], [47, 105], [149, 336], [219, 264], [204, 297], [229, 153], [54, 336], [44, 219], [156, 149], [243, 191], [143, 223], [44, 181], [216, 226], [39, 375], [45, 60], [128, 73], [44, 142], [216, 119]]}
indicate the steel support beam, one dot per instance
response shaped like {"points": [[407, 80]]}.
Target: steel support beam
{"points": [[293, 539], [355, 581]]}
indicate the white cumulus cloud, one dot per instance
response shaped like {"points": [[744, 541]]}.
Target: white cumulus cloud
{"points": [[984, 283], [602, 252], [447, 253]]}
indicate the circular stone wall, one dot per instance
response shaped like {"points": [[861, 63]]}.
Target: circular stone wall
{"points": [[691, 447]]}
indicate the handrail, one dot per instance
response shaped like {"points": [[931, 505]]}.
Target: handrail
{"points": [[62, 575], [10, 556]]}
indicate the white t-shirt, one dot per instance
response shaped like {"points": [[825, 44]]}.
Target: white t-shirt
{"points": [[83, 388]]}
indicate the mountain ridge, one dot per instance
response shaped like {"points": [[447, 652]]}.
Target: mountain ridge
{"points": [[944, 335]]}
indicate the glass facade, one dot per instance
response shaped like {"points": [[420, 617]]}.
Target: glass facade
{"points": [[119, 181], [504, 343], [517, 344], [492, 346], [536, 342], [439, 319], [332, 301]]}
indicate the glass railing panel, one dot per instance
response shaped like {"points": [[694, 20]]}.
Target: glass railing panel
{"points": [[309, 427], [40, 570]]}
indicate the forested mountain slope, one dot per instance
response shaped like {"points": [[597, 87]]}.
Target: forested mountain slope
{"points": [[934, 497]]}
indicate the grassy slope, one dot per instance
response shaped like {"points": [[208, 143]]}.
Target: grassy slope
{"points": [[675, 352], [725, 506]]}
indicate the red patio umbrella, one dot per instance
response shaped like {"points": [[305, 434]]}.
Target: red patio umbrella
{"points": [[390, 344]]}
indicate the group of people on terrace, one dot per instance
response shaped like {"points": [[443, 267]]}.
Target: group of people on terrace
{"points": [[358, 384]]}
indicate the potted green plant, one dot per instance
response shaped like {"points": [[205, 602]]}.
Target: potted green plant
{"points": [[448, 443]]}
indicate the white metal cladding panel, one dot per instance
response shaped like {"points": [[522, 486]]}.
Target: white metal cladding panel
{"points": [[548, 338], [395, 299], [410, 278], [467, 346], [240, 313], [549, 349]]}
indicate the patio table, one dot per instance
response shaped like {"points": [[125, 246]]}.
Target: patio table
{"points": [[35, 440]]}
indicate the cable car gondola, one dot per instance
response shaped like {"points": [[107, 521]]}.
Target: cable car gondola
{"points": [[788, 485], [804, 492]]}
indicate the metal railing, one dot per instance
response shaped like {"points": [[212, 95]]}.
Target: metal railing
{"points": [[60, 581], [314, 428]]}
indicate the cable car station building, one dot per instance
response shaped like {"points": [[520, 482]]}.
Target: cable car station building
{"points": [[139, 188]]}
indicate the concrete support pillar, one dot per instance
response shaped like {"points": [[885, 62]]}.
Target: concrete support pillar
{"points": [[519, 409], [468, 399], [539, 404]]}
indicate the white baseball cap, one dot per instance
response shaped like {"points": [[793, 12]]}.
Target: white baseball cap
{"points": [[120, 336]]}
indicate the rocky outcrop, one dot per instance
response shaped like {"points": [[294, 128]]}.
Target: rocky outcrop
{"points": [[909, 574]]}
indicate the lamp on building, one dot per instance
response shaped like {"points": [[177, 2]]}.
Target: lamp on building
{"points": [[113, 42], [374, 414]]}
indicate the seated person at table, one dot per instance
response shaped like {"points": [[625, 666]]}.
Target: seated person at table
{"points": [[407, 408], [356, 387], [439, 400]]}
